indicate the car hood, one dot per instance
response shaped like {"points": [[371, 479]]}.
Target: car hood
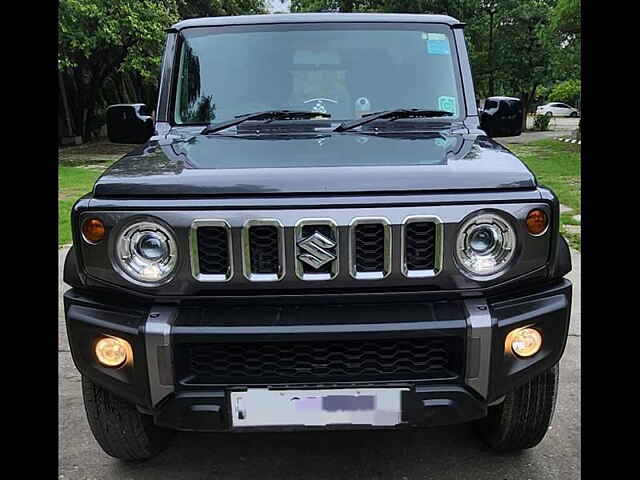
{"points": [[313, 163]]}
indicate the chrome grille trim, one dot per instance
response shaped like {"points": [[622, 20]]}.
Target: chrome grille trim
{"points": [[246, 251], [437, 259], [386, 225], [195, 254], [335, 264]]}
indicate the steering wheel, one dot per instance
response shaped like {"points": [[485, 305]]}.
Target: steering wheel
{"points": [[319, 104]]}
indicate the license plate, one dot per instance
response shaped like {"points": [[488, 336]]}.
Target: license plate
{"points": [[262, 407]]}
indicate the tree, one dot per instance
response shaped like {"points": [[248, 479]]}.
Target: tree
{"points": [[98, 38], [219, 8], [566, 92]]}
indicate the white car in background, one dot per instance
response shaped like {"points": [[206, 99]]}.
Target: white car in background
{"points": [[556, 109]]}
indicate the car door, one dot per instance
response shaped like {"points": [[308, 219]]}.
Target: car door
{"points": [[564, 110]]}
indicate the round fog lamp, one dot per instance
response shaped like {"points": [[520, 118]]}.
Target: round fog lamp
{"points": [[524, 342], [112, 351]]}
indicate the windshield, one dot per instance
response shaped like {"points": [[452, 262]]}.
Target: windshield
{"points": [[345, 70]]}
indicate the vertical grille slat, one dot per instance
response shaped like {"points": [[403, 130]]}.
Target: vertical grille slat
{"points": [[421, 246], [369, 255], [213, 249], [263, 249], [211, 257], [370, 248]]}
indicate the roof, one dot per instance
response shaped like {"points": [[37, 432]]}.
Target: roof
{"points": [[315, 18]]}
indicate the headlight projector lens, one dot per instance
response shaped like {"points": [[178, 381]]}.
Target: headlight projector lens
{"points": [[146, 253], [485, 245]]}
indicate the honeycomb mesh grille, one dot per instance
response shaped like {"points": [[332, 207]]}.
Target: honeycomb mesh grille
{"points": [[263, 248], [369, 247], [314, 361], [213, 250], [420, 245]]}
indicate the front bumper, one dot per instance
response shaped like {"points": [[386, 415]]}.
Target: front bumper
{"points": [[158, 382]]}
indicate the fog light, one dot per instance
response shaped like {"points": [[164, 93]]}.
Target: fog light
{"points": [[113, 351], [524, 342]]}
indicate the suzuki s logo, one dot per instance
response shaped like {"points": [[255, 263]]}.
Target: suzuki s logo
{"points": [[318, 250]]}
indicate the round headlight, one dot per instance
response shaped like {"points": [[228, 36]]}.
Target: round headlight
{"points": [[146, 253], [485, 245]]}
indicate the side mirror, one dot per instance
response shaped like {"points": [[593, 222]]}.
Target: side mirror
{"points": [[502, 117], [129, 123]]}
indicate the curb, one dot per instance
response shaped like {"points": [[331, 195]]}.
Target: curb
{"points": [[569, 140]]}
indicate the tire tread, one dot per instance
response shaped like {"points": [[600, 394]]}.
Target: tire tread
{"points": [[119, 428]]}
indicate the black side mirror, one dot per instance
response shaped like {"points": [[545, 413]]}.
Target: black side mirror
{"points": [[129, 123], [502, 117]]}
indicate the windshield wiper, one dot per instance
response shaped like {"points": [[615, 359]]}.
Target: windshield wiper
{"points": [[392, 115], [266, 115]]}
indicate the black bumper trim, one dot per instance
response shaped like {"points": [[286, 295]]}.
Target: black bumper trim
{"points": [[208, 411]]}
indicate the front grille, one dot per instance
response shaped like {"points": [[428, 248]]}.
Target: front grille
{"points": [[310, 249], [263, 249], [320, 361], [420, 246], [213, 250]]}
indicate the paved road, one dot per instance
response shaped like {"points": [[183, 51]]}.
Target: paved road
{"points": [[436, 453], [559, 127]]}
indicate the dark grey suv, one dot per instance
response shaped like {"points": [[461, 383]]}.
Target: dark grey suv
{"points": [[315, 233]]}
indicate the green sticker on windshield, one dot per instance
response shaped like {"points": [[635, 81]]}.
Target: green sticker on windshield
{"points": [[448, 104]]}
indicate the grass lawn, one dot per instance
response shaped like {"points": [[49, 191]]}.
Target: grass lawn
{"points": [[557, 166], [78, 169]]}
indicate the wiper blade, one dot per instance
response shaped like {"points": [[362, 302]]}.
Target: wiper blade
{"points": [[392, 115], [266, 115]]}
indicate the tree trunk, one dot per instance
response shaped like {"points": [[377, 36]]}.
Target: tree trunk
{"points": [[526, 99]]}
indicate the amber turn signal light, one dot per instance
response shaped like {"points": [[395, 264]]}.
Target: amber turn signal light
{"points": [[537, 222], [93, 230]]}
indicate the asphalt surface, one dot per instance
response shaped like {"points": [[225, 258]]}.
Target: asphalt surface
{"points": [[558, 127], [451, 452]]}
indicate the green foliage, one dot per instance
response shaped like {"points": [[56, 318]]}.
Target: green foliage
{"points": [[110, 50], [219, 8], [566, 17], [102, 36], [541, 122], [566, 92]]}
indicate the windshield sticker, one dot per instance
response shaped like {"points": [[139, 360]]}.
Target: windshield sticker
{"points": [[438, 44], [448, 104]]}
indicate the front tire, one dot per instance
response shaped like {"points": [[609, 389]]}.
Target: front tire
{"points": [[119, 428], [521, 421], [549, 114]]}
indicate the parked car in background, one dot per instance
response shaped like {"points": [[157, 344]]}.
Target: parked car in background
{"points": [[557, 110]]}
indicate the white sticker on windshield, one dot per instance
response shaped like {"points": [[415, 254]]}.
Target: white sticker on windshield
{"points": [[448, 104]]}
